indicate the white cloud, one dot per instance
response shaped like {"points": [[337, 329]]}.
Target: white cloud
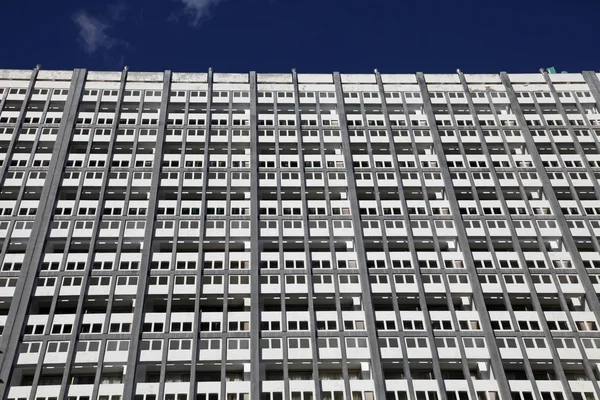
{"points": [[117, 10], [92, 32], [198, 9]]}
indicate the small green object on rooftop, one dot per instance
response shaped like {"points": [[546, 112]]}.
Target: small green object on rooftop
{"points": [[551, 70]]}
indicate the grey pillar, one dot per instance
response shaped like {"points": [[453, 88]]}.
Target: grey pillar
{"points": [[367, 304], [594, 84], [409, 236], [17, 316], [200, 274], [517, 248], [138, 315], [479, 300], [309, 271], [90, 258], [255, 307], [19, 122], [551, 196]]}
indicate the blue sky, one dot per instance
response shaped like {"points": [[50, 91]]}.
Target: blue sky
{"points": [[350, 36]]}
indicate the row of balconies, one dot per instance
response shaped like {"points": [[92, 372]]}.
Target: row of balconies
{"points": [[311, 160], [298, 348], [269, 208], [303, 389], [296, 227], [238, 349], [239, 284], [321, 283], [300, 389], [321, 259], [326, 320]]}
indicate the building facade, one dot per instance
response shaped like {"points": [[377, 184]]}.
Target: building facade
{"points": [[209, 236]]}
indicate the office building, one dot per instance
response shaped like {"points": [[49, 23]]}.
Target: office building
{"points": [[212, 236]]}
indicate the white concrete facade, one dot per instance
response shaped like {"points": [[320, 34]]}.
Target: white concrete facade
{"points": [[299, 236]]}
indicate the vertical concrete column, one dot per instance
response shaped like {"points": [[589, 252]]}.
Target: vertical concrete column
{"points": [[19, 123], [591, 79], [17, 316], [129, 377], [367, 304], [306, 222], [478, 298], [90, 258], [570, 244], [255, 308], [200, 274], [336, 272], [409, 236], [517, 247]]}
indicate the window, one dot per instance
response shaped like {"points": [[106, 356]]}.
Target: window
{"points": [[298, 343], [586, 325], [57, 347], [75, 266], [349, 279], [323, 279], [389, 325], [117, 345], [123, 327], [235, 326], [61, 329], [354, 325], [210, 326], [238, 344], [503, 325], [152, 281], [270, 343], [180, 344], [412, 343], [535, 343], [148, 344], [355, 343], [328, 343], [295, 279], [270, 325], [298, 326], [181, 326], [294, 264], [152, 327], [88, 346], [239, 279]]}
